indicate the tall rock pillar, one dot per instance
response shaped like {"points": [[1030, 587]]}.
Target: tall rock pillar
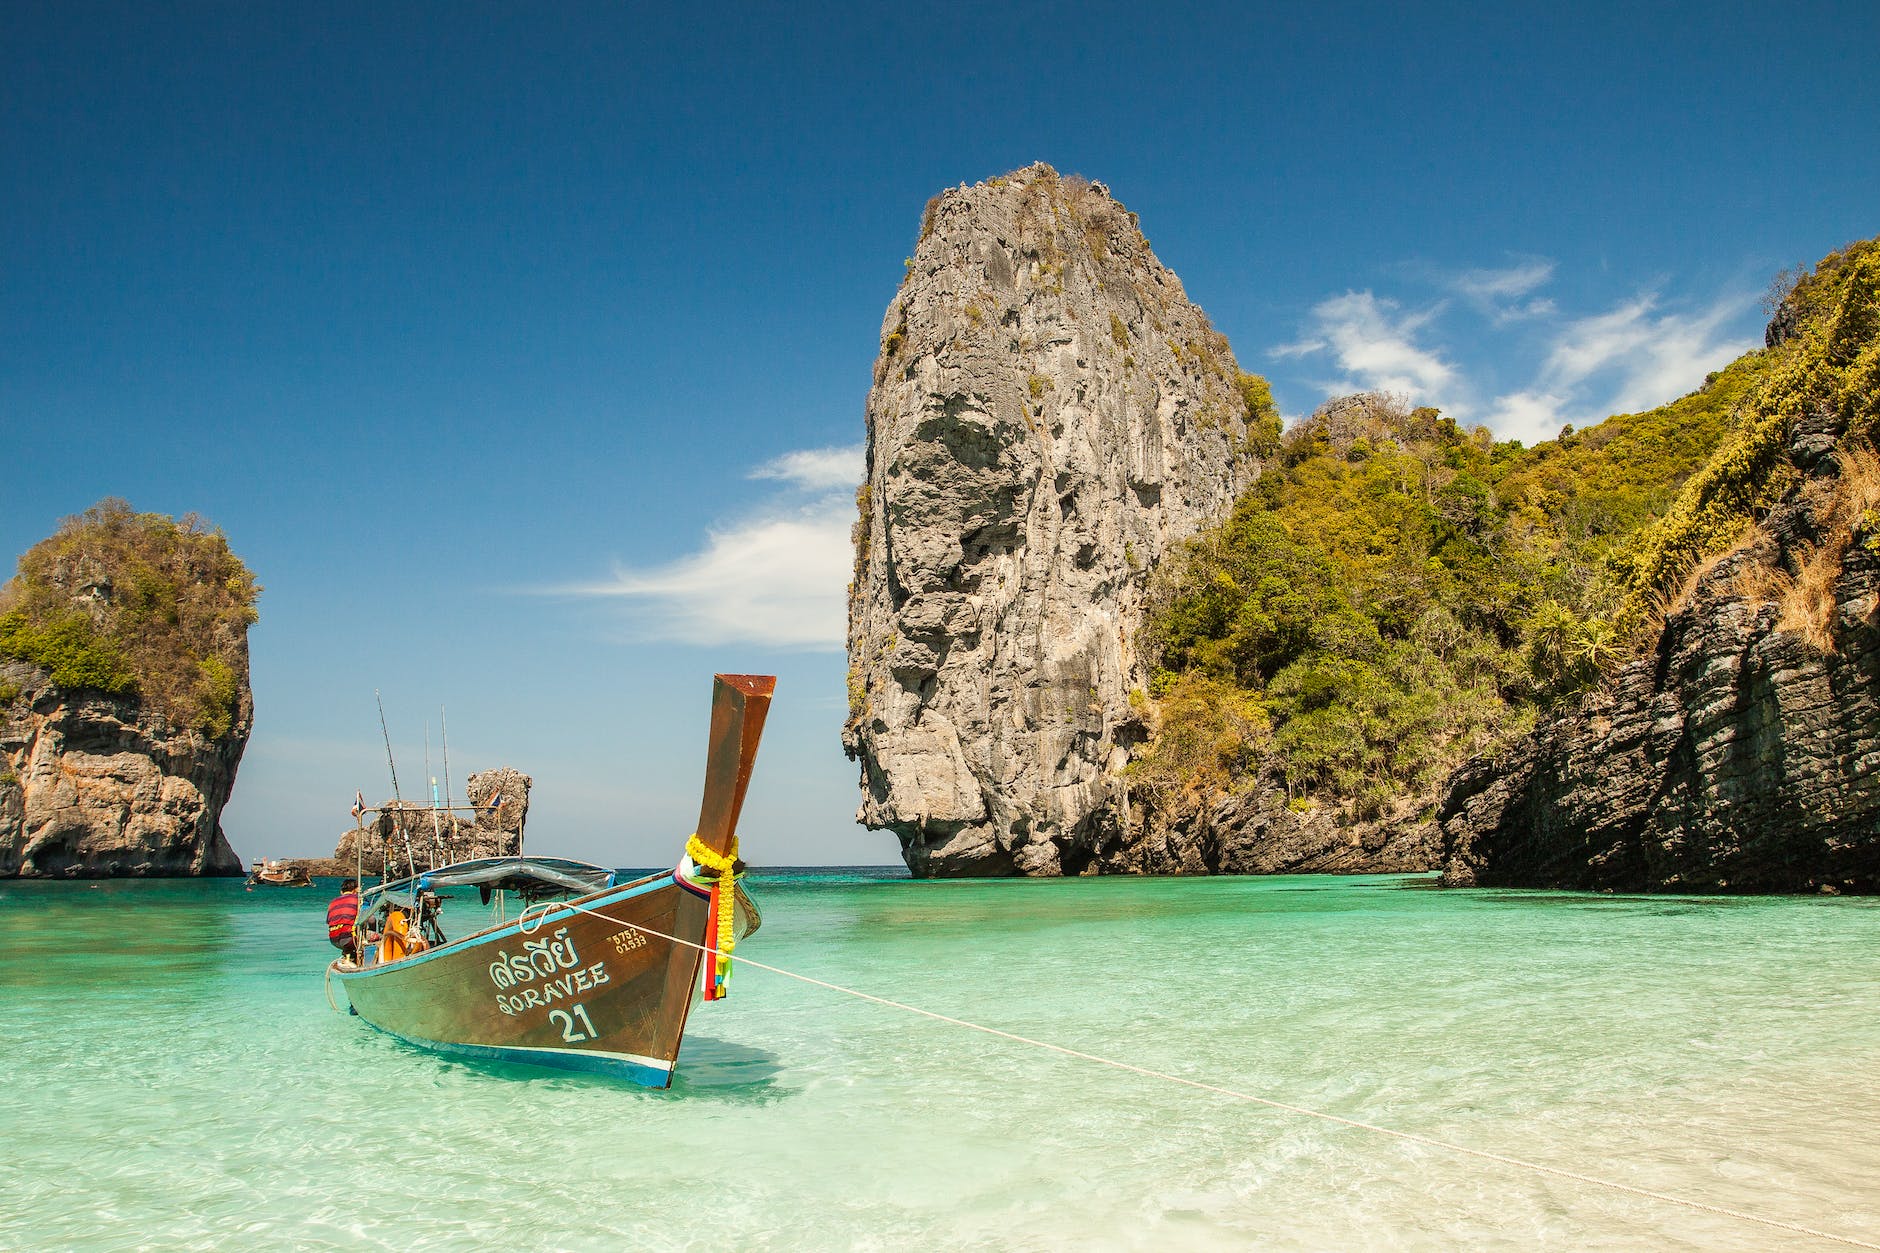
{"points": [[1049, 414]]}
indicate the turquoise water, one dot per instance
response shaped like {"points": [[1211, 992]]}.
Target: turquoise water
{"points": [[175, 1078]]}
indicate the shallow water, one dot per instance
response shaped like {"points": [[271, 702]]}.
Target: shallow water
{"points": [[175, 1078]]}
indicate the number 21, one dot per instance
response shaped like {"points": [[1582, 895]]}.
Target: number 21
{"points": [[569, 1031]]}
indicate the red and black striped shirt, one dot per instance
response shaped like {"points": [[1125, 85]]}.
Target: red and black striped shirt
{"points": [[340, 916]]}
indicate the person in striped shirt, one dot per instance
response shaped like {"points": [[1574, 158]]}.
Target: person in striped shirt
{"points": [[341, 917]]}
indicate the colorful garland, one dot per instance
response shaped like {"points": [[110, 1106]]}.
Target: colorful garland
{"points": [[722, 915]]}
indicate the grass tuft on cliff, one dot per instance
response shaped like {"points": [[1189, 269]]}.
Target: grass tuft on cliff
{"points": [[1396, 594], [136, 604]]}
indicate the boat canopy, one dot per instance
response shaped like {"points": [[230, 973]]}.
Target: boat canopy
{"points": [[532, 878]]}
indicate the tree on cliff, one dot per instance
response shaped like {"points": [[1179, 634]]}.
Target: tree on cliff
{"points": [[136, 604]]}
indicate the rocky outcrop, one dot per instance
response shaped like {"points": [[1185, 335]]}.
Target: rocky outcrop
{"points": [[1742, 753], [124, 697], [409, 830], [1738, 756], [1255, 831], [94, 785], [1049, 414]]}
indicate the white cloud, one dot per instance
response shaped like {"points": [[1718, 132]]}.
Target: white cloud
{"points": [[1375, 342], [1633, 357], [778, 581], [1529, 416], [1593, 344], [1303, 348], [816, 469], [778, 578], [1553, 370], [1510, 283]]}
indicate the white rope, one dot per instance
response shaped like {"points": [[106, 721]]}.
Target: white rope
{"points": [[327, 987], [1409, 1136]]}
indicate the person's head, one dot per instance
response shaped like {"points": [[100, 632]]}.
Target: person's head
{"points": [[351, 885]]}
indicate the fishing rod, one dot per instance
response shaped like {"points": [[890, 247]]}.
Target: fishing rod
{"points": [[443, 730], [411, 863], [437, 834]]}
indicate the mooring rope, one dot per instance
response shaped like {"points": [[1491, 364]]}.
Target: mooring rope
{"points": [[1411, 1137]]}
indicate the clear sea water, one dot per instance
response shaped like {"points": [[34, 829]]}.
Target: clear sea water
{"points": [[174, 1078]]}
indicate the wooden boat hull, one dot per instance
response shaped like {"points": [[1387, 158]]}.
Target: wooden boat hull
{"points": [[601, 982], [580, 989]]}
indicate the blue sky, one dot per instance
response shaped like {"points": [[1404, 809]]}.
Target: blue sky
{"points": [[522, 350]]}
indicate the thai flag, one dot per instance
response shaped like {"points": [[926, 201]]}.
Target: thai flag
{"points": [[359, 805], [496, 802]]}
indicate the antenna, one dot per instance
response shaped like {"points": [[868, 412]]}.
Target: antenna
{"points": [[437, 835], [411, 863], [443, 727]]}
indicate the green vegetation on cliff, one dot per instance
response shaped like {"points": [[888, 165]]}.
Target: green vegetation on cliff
{"points": [[1396, 593], [1826, 371], [136, 604]]}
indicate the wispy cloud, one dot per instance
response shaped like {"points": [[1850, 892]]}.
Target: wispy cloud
{"points": [[1507, 282], [1529, 416], [1501, 294], [1634, 356], [1552, 370], [775, 581], [816, 469], [1375, 342], [776, 578]]}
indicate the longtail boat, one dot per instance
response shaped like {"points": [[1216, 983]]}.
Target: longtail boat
{"points": [[279, 874], [594, 974]]}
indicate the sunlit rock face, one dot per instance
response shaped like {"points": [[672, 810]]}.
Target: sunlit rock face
{"points": [[1049, 415], [94, 785]]}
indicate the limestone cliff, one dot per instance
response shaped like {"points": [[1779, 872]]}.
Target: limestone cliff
{"points": [[93, 785], [1741, 752], [124, 699], [1049, 414]]}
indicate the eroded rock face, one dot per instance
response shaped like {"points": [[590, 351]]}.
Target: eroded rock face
{"points": [[1740, 756], [93, 785], [1049, 415]]}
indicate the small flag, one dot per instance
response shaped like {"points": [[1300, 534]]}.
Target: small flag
{"points": [[496, 801], [359, 805]]}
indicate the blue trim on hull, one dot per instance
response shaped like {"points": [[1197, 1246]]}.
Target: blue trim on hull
{"points": [[611, 1066]]}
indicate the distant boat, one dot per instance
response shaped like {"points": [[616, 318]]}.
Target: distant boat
{"points": [[279, 874], [589, 976]]}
